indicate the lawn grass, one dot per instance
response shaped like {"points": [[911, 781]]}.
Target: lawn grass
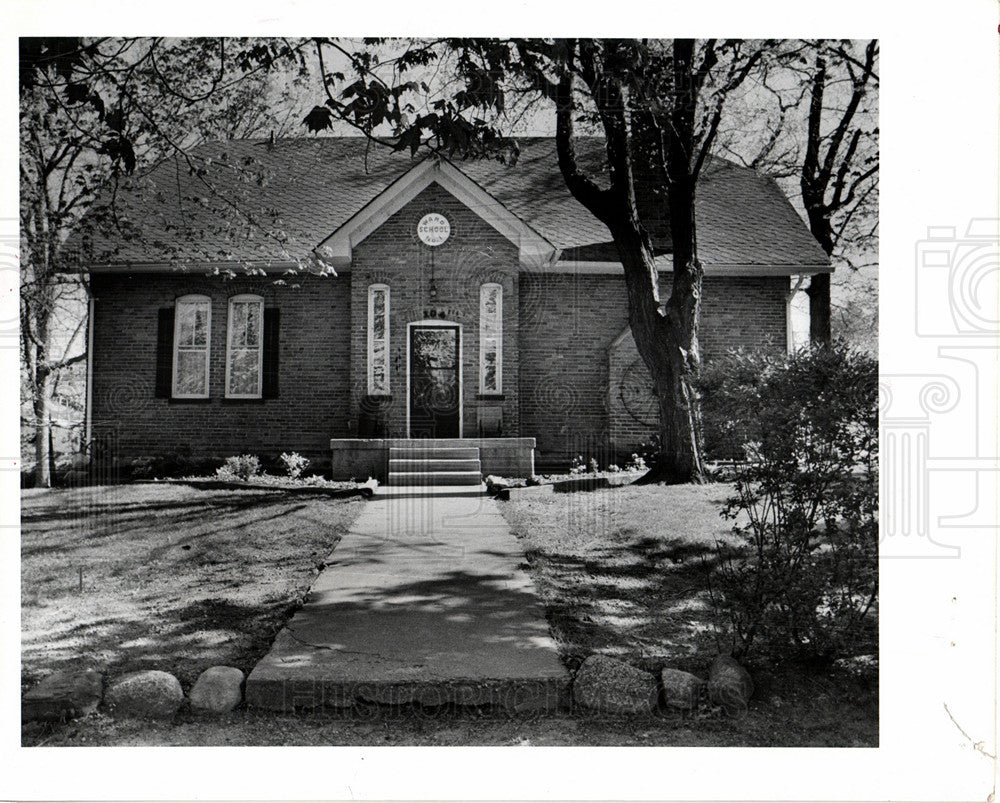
{"points": [[180, 579], [625, 572], [820, 726], [129, 577]]}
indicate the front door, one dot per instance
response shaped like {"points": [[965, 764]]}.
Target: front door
{"points": [[435, 401]]}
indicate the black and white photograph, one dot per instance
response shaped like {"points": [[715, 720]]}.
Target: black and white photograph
{"points": [[510, 392]]}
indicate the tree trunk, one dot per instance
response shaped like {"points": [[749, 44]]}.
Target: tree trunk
{"points": [[670, 349], [40, 407], [667, 341], [680, 414], [680, 422], [666, 335], [819, 309]]}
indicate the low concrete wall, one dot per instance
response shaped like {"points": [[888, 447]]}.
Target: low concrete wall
{"points": [[360, 458], [507, 457], [356, 458]]}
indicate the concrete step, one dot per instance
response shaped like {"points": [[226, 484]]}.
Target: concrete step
{"points": [[434, 443], [434, 453], [425, 478], [432, 464]]}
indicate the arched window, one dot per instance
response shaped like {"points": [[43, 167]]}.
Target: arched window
{"points": [[378, 339], [245, 347], [192, 336], [491, 338]]}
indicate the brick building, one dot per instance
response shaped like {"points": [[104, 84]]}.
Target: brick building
{"points": [[288, 296]]}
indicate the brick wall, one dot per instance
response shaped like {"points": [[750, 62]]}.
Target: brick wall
{"points": [[582, 380], [567, 355], [567, 323], [475, 253], [313, 369]]}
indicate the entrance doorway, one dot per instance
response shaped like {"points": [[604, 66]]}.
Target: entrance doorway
{"points": [[435, 381]]}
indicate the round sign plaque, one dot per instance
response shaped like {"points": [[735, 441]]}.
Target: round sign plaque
{"points": [[433, 229]]}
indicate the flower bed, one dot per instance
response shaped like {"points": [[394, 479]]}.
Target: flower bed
{"points": [[314, 484]]}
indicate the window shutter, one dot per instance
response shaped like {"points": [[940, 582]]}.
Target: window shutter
{"points": [[165, 353], [269, 384]]}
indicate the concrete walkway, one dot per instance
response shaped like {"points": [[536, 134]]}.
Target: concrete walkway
{"points": [[423, 601]]}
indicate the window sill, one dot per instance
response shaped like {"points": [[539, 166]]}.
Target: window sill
{"points": [[242, 399], [193, 400], [491, 396]]}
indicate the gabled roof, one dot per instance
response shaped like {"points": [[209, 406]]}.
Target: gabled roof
{"points": [[533, 249], [248, 202]]}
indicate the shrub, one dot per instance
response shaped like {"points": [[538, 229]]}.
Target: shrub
{"points": [[578, 466], [726, 386], [645, 454], [294, 464], [803, 576], [636, 463], [242, 467], [145, 467]]}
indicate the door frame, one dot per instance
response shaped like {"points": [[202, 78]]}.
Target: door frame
{"points": [[438, 323]]}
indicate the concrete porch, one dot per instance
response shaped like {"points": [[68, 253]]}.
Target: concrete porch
{"points": [[361, 458]]}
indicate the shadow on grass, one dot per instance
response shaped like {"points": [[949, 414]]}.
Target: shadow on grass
{"points": [[645, 601], [104, 520], [204, 633], [133, 578]]}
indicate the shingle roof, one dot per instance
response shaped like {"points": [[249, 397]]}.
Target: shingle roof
{"points": [[243, 200]]}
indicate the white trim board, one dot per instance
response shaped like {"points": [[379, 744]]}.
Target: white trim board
{"points": [[534, 251], [567, 266], [664, 266]]}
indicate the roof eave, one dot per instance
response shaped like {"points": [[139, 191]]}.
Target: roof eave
{"points": [[268, 266], [534, 250], [717, 269]]}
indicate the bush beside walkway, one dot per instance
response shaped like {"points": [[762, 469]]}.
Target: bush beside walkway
{"points": [[623, 572]]}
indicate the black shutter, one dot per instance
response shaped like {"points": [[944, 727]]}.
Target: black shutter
{"points": [[165, 353], [272, 319]]}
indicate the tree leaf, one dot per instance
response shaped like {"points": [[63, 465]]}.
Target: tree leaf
{"points": [[318, 119]]}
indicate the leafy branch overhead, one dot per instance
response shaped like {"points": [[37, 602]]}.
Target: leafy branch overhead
{"points": [[659, 106], [92, 112]]}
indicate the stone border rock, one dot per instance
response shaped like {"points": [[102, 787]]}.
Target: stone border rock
{"points": [[610, 686], [65, 694], [730, 685], [607, 685], [681, 690], [149, 694], [218, 690]]}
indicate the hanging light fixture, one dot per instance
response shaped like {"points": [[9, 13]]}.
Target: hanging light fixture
{"points": [[433, 288]]}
